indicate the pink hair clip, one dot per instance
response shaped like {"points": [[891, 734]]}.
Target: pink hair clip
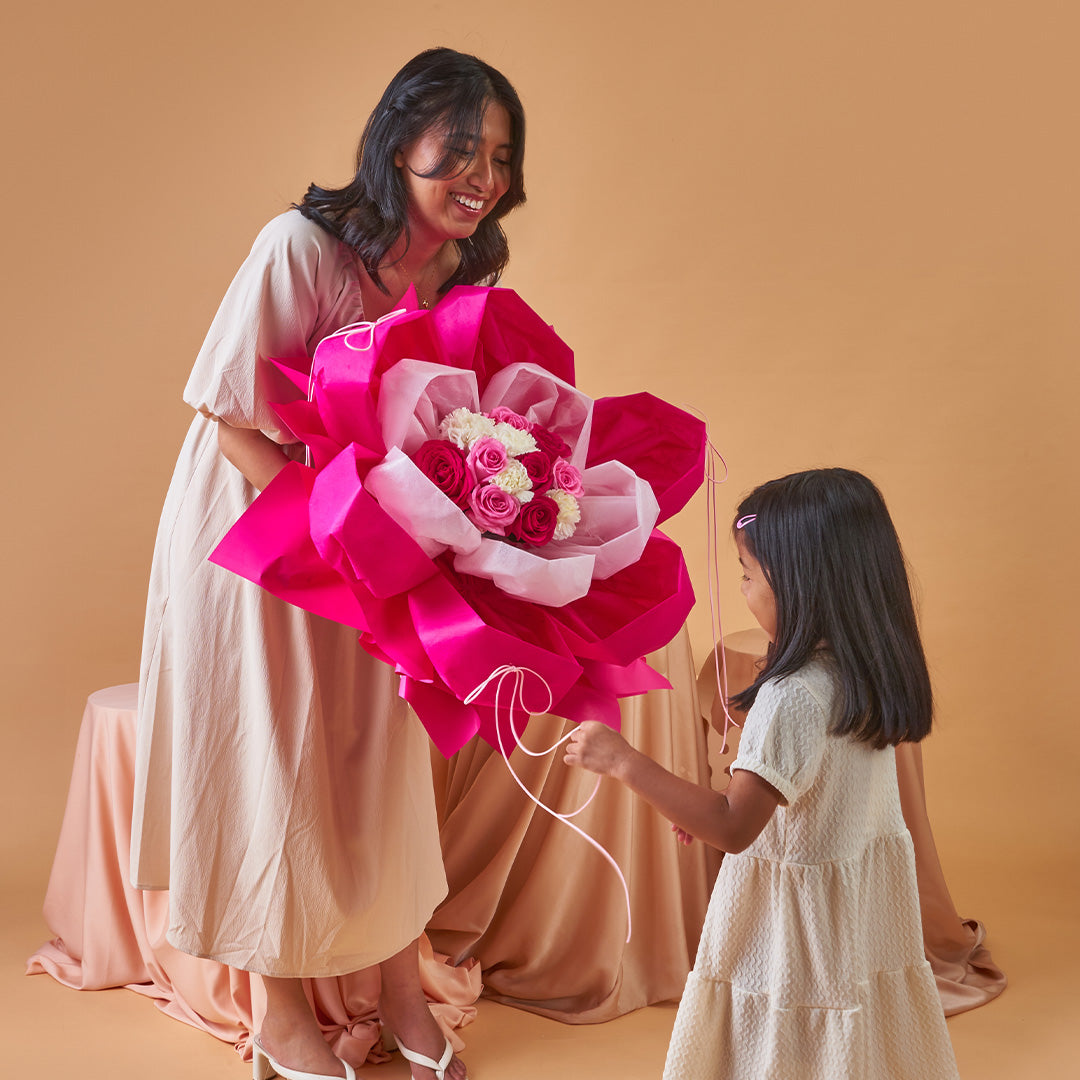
{"points": [[744, 521]]}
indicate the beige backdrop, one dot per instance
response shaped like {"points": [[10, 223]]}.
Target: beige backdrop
{"points": [[844, 230]]}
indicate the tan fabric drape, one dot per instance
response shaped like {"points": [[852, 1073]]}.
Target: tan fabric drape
{"points": [[545, 915], [539, 907], [966, 974], [108, 933]]}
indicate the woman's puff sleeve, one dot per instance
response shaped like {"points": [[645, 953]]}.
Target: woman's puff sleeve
{"points": [[783, 739], [270, 311]]}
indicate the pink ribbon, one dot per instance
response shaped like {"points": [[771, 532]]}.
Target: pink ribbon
{"points": [[517, 697]]}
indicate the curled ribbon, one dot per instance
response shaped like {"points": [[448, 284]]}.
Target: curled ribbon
{"points": [[517, 697], [712, 482]]}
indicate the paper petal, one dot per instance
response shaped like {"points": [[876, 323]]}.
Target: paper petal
{"points": [[271, 545], [663, 444], [546, 400], [618, 512], [486, 329], [528, 573], [416, 395], [354, 534], [634, 612], [419, 507]]}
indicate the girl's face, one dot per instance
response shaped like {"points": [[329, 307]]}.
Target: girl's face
{"points": [[760, 599], [450, 208]]}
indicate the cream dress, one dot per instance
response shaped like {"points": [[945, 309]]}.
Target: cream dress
{"points": [[283, 791], [811, 963]]}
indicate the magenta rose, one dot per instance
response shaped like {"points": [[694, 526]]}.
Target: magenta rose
{"points": [[502, 415], [568, 478], [444, 465], [538, 466], [549, 442], [487, 457], [492, 508], [536, 522]]}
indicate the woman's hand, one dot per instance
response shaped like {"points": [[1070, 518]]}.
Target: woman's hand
{"points": [[594, 746], [260, 459]]}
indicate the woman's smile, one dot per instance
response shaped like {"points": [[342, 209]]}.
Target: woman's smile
{"points": [[450, 207]]}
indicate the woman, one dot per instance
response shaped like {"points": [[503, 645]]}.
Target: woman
{"points": [[283, 790]]}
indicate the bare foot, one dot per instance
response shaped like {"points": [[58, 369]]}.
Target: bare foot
{"points": [[415, 1027], [290, 1033], [404, 1010]]}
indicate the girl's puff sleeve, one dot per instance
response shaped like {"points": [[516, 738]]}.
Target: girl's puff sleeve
{"points": [[783, 738], [271, 311]]}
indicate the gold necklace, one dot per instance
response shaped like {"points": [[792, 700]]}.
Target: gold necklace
{"points": [[425, 304]]}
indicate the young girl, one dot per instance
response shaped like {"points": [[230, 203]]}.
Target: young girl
{"points": [[811, 961], [283, 789]]}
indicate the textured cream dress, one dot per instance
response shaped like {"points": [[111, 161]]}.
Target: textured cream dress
{"points": [[283, 791], [811, 963]]}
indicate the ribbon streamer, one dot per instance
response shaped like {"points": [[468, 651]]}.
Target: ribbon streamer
{"points": [[517, 697], [712, 482]]}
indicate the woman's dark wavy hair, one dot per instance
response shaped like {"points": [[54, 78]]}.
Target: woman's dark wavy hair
{"points": [[832, 558], [439, 88]]}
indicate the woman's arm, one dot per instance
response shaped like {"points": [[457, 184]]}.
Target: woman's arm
{"points": [[260, 459], [729, 820]]}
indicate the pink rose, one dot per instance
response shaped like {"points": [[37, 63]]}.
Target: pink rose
{"points": [[444, 465], [568, 478], [549, 442], [502, 415], [536, 522], [487, 457], [538, 466], [492, 509]]}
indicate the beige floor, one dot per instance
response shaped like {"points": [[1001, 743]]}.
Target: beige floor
{"points": [[1032, 1031]]}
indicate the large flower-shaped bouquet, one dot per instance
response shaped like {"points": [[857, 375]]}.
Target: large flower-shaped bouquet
{"points": [[467, 508]]}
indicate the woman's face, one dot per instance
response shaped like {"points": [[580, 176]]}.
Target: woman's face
{"points": [[450, 208], [760, 598]]}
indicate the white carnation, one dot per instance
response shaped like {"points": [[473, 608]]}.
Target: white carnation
{"points": [[463, 427], [514, 479], [569, 514], [516, 441]]}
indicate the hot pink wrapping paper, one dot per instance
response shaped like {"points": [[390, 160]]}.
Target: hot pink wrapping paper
{"points": [[362, 536]]}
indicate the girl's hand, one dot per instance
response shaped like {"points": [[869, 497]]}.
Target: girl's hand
{"points": [[682, 835], [594, 746]]}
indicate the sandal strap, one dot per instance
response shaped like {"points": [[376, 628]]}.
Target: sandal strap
{"points": [[439, 1067], [296, 1074]]}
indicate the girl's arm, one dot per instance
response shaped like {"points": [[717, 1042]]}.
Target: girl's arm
{"points": [[729, 820], [260, 459]]}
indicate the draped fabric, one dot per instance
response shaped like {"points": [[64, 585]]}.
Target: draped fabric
{"points": [[110, 934], [529, 900], [538, 907], [963, 967]]}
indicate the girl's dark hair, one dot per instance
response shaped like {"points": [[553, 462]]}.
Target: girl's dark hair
{"points": [[439, 88], [832, 558]]}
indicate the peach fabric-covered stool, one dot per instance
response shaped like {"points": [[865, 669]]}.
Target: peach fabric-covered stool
{"points": [[111, 934], [965, 972], [536, 905]]}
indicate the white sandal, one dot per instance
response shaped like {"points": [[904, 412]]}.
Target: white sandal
{"points": [[263, 1067], [438, 1067]]}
